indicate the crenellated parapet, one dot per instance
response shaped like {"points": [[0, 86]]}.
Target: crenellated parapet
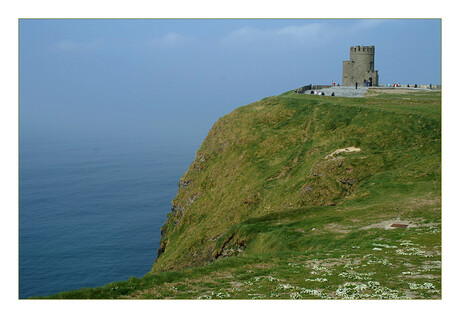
{"points": [[362, 49]]}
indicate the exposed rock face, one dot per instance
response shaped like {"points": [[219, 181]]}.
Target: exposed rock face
{"points": [[175, 209], [192, 199], [231, 247], [347, 181], [162, 247], [161, 250], [184, 183], [306, 189]]}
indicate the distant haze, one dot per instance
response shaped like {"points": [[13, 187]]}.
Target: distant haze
{"points": [[174, 77]]}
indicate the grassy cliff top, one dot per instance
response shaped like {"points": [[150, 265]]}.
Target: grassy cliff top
{"points": [[294, 196]]}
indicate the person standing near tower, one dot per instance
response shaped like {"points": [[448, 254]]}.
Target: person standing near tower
{"points": [[356, 85]]}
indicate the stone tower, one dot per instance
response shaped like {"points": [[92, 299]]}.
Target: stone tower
{"points": [[360, 67]]}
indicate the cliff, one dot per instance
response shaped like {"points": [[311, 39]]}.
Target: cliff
{"points": [[304, 196], [293, 152]]}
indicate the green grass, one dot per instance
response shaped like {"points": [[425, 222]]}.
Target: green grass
{"points": [[390, 263], [268, 215]]}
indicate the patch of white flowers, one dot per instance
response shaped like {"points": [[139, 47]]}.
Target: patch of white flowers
{"points": [[357, 291], [313, 292], [296, 292], [285, 286], [272, 279], [387, 293], [349, 265], [266, 278], [320, 269], [411, 251], [414, 286], [383, 245], [204, 297], [434, 230], [350, 290], [406, 243], [357, 276], [295, 295], [319, 279], [373, 285], [375, 260], [294, 265], [220, 295]]}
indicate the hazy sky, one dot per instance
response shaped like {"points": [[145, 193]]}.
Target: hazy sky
{"points": [[179, 76]]}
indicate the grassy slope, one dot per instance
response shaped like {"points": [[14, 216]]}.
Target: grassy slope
{"points": [[304, 226]]}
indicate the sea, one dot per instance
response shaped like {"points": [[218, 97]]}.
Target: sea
{"points": [[91, 207]]}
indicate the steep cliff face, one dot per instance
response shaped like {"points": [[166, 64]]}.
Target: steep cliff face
{"points": [[296, 151]]}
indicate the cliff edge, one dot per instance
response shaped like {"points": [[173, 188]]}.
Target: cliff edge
{"points": [[291, 152]]}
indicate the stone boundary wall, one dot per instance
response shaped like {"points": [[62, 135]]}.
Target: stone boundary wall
{"points": [[320, 86], [303, 89], [310, 87], [423, 86]]}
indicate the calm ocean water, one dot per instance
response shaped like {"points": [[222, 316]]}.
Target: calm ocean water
{"points": [[91, 209]]}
